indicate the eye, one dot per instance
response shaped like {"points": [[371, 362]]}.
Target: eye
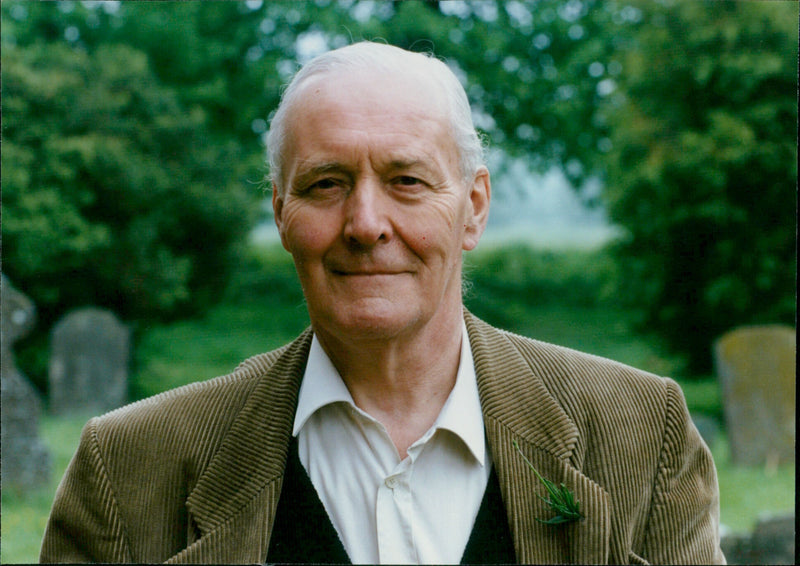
{"points": [[323, 184], [408, 181], [322, 187]]}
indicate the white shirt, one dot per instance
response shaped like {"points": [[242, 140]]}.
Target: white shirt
{"points": [[419, 510]]}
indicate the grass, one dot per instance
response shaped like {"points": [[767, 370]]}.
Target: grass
{"points": [[24, 515], [171, 356], [542, 296], [749, 492]]}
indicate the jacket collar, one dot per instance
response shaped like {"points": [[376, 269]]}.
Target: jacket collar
{"points": [[236, 497], [518, 407]]}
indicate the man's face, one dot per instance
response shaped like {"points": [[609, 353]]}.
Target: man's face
{"points": [[374, 208]]}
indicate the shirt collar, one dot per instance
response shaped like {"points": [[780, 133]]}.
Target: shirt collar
{"points": [[461, 414], [322, 385]]}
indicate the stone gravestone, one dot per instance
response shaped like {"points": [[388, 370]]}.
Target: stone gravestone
{"points": [[771, 542], [25, 460], [756, 368], [89, 352]]}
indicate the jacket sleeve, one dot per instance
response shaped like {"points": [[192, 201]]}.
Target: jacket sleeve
{"points": [[85, 523], [683, 526]]}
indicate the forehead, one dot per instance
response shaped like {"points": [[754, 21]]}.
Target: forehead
{"points": [[416, 86], [347, 106], [370, 100]]}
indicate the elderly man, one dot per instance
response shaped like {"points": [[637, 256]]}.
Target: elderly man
{"points": [[398, 428]]}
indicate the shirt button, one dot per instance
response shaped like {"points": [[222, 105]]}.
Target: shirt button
{"points": [[391, 482]]}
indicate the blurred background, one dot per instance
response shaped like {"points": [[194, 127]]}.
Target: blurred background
{"points": [[644, 162]]}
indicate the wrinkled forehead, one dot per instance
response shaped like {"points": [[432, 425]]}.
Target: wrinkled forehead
{"points": [[408, 92]]}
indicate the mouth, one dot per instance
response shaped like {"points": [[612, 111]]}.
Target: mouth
{"points": [[365, 272], [345, 268], [367, 268]]}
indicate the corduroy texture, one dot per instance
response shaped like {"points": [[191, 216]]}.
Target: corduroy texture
{"points": [[194, 475]]}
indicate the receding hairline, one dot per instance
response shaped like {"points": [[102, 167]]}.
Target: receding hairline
{"points": [[432, 100], [362, 58]]}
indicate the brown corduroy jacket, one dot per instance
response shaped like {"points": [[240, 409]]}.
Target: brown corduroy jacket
{"points": [[194, 474]]}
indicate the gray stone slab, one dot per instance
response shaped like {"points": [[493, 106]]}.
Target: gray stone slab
{"points": [[26, 462], [89, 357], [757, 370]]}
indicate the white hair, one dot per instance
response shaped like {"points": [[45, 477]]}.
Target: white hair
{"points": [[372, 57]]}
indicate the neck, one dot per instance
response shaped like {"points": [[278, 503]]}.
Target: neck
{"points": [[402, 382]]}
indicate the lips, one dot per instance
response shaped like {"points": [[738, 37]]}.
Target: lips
{"points": [[365, 268], [367, 272]]}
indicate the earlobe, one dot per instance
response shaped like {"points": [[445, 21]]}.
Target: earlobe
{"points": [[478, 209]]}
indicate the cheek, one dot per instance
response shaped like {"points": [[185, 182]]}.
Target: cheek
{"points": [[435, 240], [304, 234]]}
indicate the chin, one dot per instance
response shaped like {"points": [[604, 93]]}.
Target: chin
{"points": [[372, 322]]}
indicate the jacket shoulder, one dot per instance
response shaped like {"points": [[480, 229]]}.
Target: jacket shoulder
{"points": [[195, 399], [186, 424], [137, 466], [566, 370], [601, 397]]}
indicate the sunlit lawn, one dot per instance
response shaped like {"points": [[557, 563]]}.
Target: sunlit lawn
{"points": [[24, 515]]}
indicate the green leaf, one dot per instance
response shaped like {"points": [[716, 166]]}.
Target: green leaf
{"points": [[560, 500]]}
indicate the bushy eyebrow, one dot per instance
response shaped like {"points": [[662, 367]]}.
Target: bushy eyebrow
{"points": [[405, 163], [315, 171], [421, 165]]}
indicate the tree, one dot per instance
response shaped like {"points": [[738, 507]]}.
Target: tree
{"points": [[112, 194], [703, 172], [121, 188]]}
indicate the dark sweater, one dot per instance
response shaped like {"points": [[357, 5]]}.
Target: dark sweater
{"points": [[303, 532]]}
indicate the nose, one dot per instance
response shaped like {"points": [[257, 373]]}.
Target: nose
{"points": [[367, 215]]}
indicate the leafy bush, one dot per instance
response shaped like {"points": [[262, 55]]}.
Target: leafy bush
{"points": [[703, 173], [540, 277], [262, 309], [113, 193], [122, 187]]}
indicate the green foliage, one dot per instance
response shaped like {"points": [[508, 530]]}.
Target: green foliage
{"points": [[117, 189], [703, 396], [132, 139], [703, 172], [541, 277], [262, 309], [559, 498], [567, 298], [125, 182]]}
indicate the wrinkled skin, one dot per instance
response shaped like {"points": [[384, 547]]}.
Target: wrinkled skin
{"points": [[375, 209]]}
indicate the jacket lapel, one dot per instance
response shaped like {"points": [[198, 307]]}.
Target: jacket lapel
{"points": [[234, 501], [518, 408]]}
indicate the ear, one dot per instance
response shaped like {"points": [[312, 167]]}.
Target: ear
{"points": [[477, 208], [277, 210]]}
